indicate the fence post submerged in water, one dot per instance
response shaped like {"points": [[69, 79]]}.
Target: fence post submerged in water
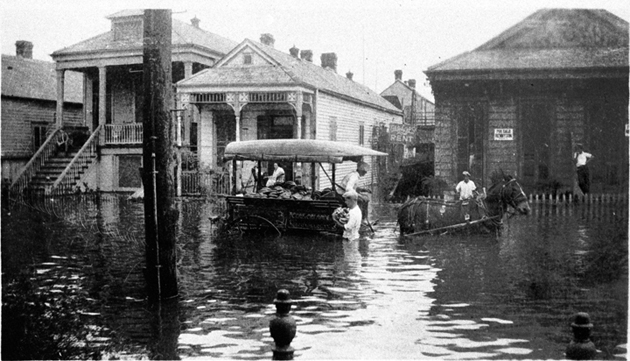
{"points": [[581, 347], [283, 327]]}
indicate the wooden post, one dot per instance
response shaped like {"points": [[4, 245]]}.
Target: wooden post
{"points": [[160, 216]]}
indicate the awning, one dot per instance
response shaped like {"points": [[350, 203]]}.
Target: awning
{"points": [[297, 150]]}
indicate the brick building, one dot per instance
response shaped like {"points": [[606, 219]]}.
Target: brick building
{"points": [[29, 102], [523, 100], [259, 92]]}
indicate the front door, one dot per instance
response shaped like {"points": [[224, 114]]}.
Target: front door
{"points": [[471, 124], [537, 147]]}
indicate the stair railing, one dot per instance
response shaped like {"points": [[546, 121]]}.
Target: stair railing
{"points": [[45, 152], [68, 178]]}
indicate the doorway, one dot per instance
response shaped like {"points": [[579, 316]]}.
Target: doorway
{"points": [[537, 146]]}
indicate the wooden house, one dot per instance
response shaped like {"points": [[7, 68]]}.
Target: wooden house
{"points": [[521, 101], [415, 137], [111, 65], [29, 104], [259, 92]]}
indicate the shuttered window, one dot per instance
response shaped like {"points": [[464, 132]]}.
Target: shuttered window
{"points": [[361, 133], [333, 129]]}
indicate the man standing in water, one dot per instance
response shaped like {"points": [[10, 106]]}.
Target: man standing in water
{"points": [[581, 159], [349, 182], [351, 228], [466, 188]]}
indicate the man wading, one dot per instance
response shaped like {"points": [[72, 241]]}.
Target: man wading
{"points": [[349, 183]]}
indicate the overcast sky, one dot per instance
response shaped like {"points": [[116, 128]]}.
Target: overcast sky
{"points": [[372, 38]]}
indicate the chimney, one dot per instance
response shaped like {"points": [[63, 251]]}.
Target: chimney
{"points": [[294, 51], [195, 22], [329, 60], [24, 49], [307, 55], [412, 83], [349, 75], [267, 39], [397, 75]]}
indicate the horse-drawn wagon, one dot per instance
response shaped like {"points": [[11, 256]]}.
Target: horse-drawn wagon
{"points": [[289, 205], [423, 215]]}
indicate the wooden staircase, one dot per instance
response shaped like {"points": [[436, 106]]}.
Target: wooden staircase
{"points": [[50, 171], [53, 172]]}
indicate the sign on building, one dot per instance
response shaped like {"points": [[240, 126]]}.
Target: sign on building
{"points": [[503, 134]]}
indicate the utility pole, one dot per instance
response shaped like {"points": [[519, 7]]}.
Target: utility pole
{"points": [[157, 152]]}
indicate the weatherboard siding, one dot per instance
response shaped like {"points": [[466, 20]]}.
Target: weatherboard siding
{"points": [[348, 116]]}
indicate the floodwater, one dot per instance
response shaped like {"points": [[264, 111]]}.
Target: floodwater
{"points": [[72, 275]]}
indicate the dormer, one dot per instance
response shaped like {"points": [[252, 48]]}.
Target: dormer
{"points": [[127, 25]]}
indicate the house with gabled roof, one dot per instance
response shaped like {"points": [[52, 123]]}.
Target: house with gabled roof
{"points": [[259, 92], [29, 95], [111, 64], [522, 101]]}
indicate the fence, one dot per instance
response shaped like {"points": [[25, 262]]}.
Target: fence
{"points": [[197, 183]]}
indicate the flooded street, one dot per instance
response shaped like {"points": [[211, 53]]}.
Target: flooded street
{"points": [[74, 269]]}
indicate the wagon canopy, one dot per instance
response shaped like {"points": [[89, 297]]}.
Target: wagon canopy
{"points": [[297, 150]]}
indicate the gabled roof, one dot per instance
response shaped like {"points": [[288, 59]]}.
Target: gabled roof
{"points": [[183, 34], [283, 69], [550, 39], [392, 91], [37, 79]]}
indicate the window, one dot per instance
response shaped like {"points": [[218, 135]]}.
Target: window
{"points": [[247, 58], [361, 133], [333, 128]]}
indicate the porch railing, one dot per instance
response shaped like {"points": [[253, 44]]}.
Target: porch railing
{"points": [[45, 152], [73, 171], [197, 183], [123, 133]]}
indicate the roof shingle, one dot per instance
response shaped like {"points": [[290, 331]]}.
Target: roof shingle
{"points": [[37, 79]]}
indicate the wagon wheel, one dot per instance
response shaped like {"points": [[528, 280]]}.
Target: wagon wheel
{"points": [[242, 225]]}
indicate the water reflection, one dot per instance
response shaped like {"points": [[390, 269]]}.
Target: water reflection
{"points": [[380, 297]]}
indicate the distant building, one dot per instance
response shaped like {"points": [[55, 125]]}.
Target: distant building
{"points": [[259, 92], [111, 64], [415, 136], [29, 101], [521, 101]]}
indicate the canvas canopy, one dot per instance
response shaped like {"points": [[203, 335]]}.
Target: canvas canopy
{"points": [[297, 150]]}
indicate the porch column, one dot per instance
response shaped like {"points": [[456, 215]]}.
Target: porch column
{"points": [[188, 68], [297, 134], [60, 96], [102, 100], [188, 113], [237, 116], [87, 101]]}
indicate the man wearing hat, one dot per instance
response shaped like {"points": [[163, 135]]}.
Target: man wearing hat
{"points": [[351, 228], [349, 182], [466, 188], [581, 159]]}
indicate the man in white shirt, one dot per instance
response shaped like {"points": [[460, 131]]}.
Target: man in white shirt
{"points": [[350, 182], [351, 228], [277, 176], [581, 159], [466, 188]]}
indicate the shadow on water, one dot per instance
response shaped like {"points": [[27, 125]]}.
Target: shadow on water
{"points": [[73, 286]]}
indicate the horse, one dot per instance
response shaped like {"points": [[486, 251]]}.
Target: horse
{"points": [[425, 215]]}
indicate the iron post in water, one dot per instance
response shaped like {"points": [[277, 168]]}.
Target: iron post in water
{"points": [[282, 327], [159, 214], [581, 347]]}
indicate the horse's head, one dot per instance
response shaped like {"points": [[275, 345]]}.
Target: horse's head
{"points": [[512, 194]]}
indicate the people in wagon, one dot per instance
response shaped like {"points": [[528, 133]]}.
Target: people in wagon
{"points": [[352, 226], [581, 159], [466, 188], [277, 176], [349, 183]]}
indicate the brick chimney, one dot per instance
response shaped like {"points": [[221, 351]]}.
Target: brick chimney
{"points": [[397, 75], [307, 55], [329, 60], [294, 51], [412, 83], [24, 49], [349, 75], [267, 39], [195, 22]]}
